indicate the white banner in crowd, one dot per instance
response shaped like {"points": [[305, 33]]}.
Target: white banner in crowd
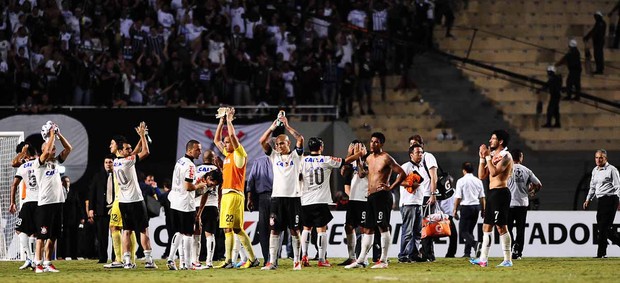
{"points": [[548, 234], [204, 133]]}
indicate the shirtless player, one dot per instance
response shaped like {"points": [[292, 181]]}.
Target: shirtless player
{"points": [[380, 168], [496, 164]]}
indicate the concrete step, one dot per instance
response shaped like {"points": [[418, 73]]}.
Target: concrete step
{"points": [[569, 133], [571, 120], [529, 107], [586, 144], [395, 121], [542, 6]]}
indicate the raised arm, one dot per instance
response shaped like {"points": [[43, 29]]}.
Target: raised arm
{"points": [[232, 135], [218, 135], [144, 152], [264, 139], [298, 137], [483, 171], [18, 160]]}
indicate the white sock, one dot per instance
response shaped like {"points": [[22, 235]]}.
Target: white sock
{"points": [[486, 245], [385, 245], [174, 246], [210, 249], [32, 245], [367, 242], [351, 242], [47, 263], [196, 249], [296, 247], [24, 248], [147, 256], [188, 246], [305, 241], [274, 241], [322, 243], [236, 248], [127, 257], [506, 242], [243, 254]]}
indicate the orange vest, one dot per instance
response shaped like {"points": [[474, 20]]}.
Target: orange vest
{"points": [[234, 178]]}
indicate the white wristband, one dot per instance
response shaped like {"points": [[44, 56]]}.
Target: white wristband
{"points": [[483, 161], [488, 158]]}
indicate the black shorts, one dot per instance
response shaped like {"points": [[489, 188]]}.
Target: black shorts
{"points": [[356, 213], [49, 221], [209, 219], [183, 221], [134, 216], [26, 221], [285, 212], [498, 207], [316, 215], [378, 210]]}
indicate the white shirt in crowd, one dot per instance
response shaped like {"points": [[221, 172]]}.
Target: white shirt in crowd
{"points": [[469, 189]]}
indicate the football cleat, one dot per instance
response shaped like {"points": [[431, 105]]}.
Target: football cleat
{"points": [[380, 265], [268, 266], [196, 266], [51, 268], [184, 267], [304, 261], [171, 265], [27, 264], [225, 265], [39, 269], [346, 262], [324, 264], [113, 265], [150, 265], [505, 263], [297, 265], [355, 264], [208, 266], [477, 261], [239, 264], [129, 265], [249, 264]]}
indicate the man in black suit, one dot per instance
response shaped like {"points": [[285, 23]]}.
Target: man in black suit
{"points": [[99, 203]]}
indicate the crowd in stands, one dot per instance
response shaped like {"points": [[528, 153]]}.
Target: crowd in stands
{"points": [[177, 53]]}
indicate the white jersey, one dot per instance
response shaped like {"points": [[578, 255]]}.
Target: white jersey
{"points": [[213, 194], [359, 186], [407, 198], [317, 170], [518, 184], [48, 179], [180, 198], [286, 173], [127, 179], [28, 185]]}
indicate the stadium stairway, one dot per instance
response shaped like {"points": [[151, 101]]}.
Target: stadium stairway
{"points": [[539, 32], [400, 116]]}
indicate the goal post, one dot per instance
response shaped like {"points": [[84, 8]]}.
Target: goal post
{"points": [[9, 245]]}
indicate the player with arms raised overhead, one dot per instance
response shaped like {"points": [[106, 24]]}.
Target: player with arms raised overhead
{"points": [[131, 201], [233, 197], [286, 194], [496, 164]]}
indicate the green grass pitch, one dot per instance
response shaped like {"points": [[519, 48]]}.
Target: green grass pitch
{"points": [[443, 270]]}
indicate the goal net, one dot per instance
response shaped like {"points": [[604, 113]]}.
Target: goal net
{"points": [[9, 245]]}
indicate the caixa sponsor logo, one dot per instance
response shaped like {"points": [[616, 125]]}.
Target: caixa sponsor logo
{"points": [[284, 163], [50, 172]]}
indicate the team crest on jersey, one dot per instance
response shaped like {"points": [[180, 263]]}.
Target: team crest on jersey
{"points": [[43, 230]]}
